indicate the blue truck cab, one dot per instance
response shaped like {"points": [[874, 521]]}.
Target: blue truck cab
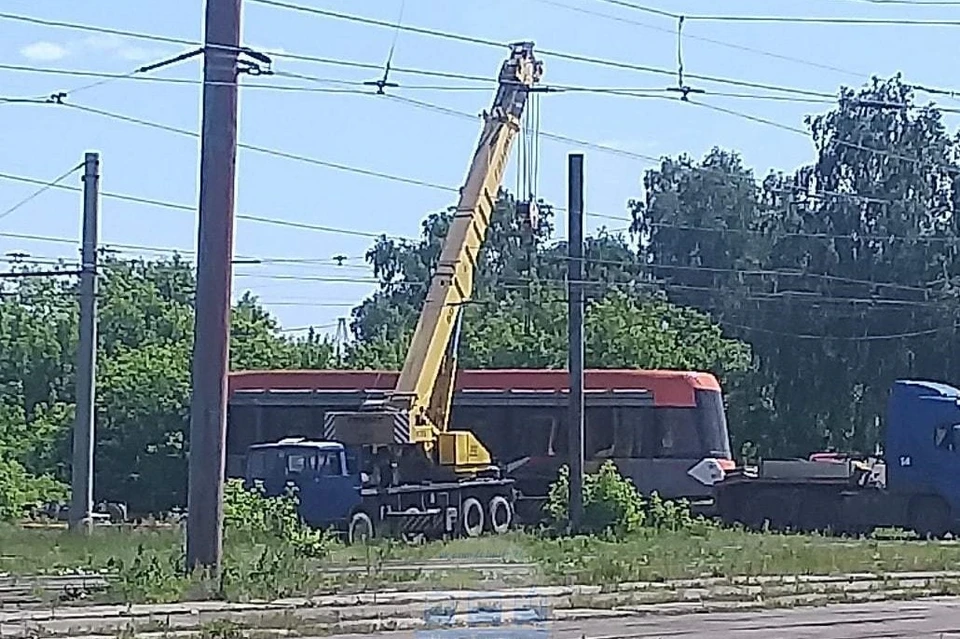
{"points": [[324, 475], [923, 451]]}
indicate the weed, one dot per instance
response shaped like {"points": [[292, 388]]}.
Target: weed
{"points": [[151, 576], [612, 506], [222, 629], [251, 517]]}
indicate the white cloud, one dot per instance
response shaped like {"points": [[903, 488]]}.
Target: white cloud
{"points": [[44, 51]]}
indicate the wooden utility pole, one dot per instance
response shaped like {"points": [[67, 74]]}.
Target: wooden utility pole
{"points": [[575, 274], [81, 481], [211, 335]]}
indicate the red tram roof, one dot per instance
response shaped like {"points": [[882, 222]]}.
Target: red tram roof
{"points": [[669, 388]]}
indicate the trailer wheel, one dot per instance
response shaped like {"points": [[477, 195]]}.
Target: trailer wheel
{"points": [[501, 514], [361, 529], [471, 514], [930, 517]]}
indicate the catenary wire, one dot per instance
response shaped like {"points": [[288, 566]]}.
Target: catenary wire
{"points": [[548, 135], [721, 43], [46, 187], [838, 20], [422, 31]]}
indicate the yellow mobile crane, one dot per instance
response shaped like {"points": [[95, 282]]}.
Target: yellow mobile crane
{"points": [[415, 468]]}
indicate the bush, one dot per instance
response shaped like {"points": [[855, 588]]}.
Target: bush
{"points": [[613, 505], [20, 491], [249, 516]]}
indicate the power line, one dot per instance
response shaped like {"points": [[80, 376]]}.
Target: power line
{"points": [[269, 151], [356, 87], [722, 43], [706, 170], [184, 207], [40, 191], [792, 19], [450, 189], [799, 234], [845, 338], [915, 3], [257, 261], [573, 57], [547, 135], [519, 283], [847, 143], [152, 37], [359, 87], [427, 32], [15, 275]]}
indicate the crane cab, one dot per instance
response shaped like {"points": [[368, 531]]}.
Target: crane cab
{"points": [[324, 476]]}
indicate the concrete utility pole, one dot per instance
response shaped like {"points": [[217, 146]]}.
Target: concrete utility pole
{"points": [[575, 305], [211, 335], [81, 483]]}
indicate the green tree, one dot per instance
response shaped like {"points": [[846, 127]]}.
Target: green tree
{"points": [[143, 376], [517, 318], [815, 268]]}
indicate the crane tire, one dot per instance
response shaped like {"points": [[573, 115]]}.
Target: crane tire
{"points": [[360, 530], [501, 514], [471, 517]]}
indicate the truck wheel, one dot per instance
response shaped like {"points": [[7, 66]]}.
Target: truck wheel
{"points": [[930, 518], [471, 514], [501, 514], [361, 528]]}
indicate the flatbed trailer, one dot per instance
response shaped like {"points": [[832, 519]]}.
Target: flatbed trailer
{"points": [[916, 486]]}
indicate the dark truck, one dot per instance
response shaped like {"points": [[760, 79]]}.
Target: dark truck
{"points": [[335, 491], [914, 485]]}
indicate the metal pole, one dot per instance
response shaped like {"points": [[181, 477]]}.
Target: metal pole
{"points": [[208, 408], [575, 327], [81, 484]]}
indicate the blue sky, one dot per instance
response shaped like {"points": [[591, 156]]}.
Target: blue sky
{"points": [[375, 133]]}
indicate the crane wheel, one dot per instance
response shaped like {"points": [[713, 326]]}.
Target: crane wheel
{"points": [[501, 514], [361, 529], [471, 516]]}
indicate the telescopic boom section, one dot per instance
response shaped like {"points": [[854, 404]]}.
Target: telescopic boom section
{"points": [[417, 410]]}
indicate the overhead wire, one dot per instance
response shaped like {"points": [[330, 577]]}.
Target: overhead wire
{"points": [[267, 150], [840, 20], [573, 57], [43, 189], [426, 32], [805, 133], [706, 170], [191, 209], [544, 134], [722, 43], [258, 261]]}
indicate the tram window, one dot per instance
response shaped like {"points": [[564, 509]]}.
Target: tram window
{"points": [[599, 436], [635, 433], [679, 436]]}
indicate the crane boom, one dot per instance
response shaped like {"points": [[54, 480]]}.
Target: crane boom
{"points": [[418, 408]]}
